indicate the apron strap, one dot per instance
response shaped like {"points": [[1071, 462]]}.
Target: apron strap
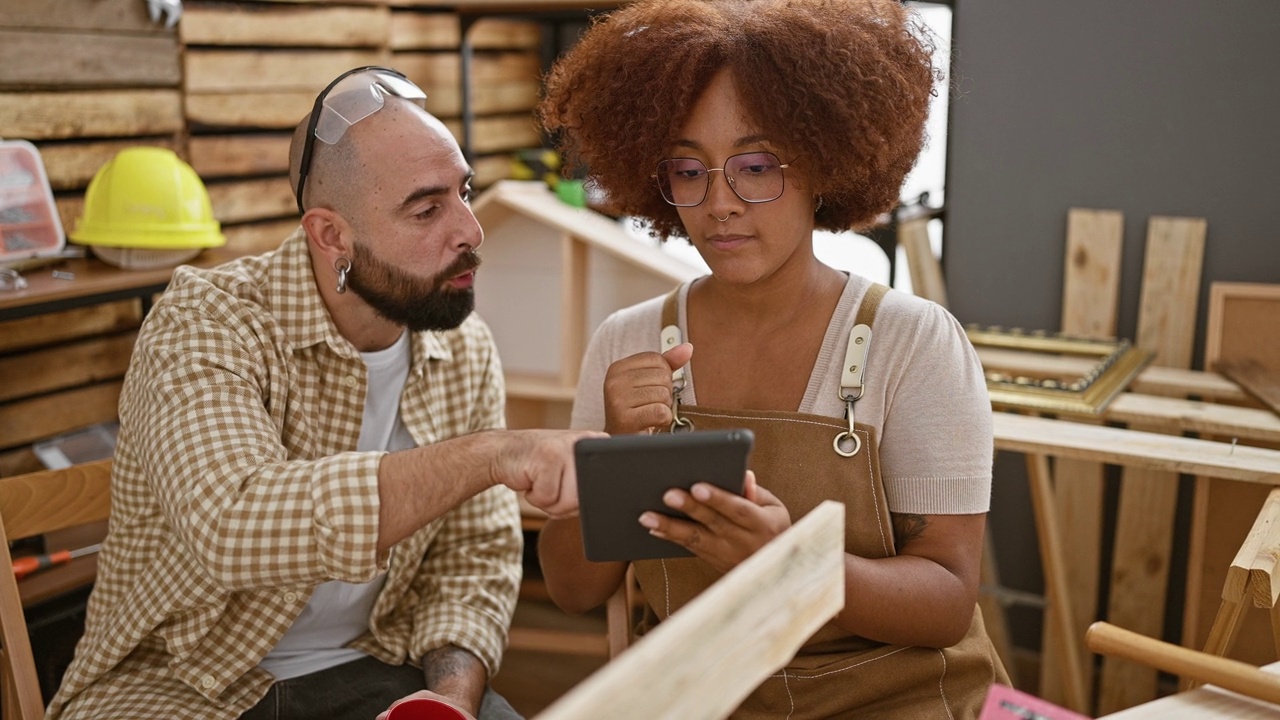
{"points": [[847, 444], [669, 338]]}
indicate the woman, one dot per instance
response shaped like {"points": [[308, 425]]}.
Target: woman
{"points": [[742, 126]]}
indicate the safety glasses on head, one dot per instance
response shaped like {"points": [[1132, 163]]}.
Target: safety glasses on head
{"points": [[351, 97]]}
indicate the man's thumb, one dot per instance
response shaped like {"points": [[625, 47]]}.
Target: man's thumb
{"points": [[678, 356]]}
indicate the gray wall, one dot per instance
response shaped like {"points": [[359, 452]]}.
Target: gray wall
{"points": [[1151, 107]]}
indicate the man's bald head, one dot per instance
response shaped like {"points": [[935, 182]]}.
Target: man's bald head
{"points": [[332, 173], [337, 174]]}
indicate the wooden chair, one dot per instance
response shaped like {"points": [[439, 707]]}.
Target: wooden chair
{"points": [[31, 505]]}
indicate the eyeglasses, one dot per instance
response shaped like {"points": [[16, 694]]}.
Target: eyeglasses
{"points": [[755, 177], [351, 97]]}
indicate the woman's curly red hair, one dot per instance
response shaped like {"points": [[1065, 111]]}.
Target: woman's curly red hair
{"points": [[841, 85]]}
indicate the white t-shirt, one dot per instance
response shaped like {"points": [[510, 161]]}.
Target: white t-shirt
{"points": [[925, 393], [338, 612]]}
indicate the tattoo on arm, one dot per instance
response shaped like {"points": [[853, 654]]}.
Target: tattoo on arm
{"points": [[447, 663], [907, 527]]}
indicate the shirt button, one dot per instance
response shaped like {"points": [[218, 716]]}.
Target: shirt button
{"points": [[349, 381], [291, 597], [207, 682]]}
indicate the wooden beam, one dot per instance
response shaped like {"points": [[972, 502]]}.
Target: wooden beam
{"points": [[90, 113], [1148, 497], [71, 165], [1052, 550], [1090, 300], [780, 596], [1120, 446], [47, 60], [99, 16], [259, 199], [65, 325], [414, 30], [259, 237], [926, 271], [65, 366], [26, 421], [1260, 382], [213, 71], [284, 26], [219, 156], [573, 307], [276, 110]]}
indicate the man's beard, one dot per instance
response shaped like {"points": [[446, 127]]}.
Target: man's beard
{"points": [[410, 301]]}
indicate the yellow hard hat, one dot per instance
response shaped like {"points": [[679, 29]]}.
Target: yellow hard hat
{"points": [[147, 208]]}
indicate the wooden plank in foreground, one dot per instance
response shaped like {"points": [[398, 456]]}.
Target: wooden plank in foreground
{"points": [[701, 662]]}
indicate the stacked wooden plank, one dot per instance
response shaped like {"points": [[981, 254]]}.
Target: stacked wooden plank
{"points": [[252, 71], [82, 80], [506, 70]]}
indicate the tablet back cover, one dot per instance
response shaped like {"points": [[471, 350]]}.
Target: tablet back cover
{"points": [[621, 477]]}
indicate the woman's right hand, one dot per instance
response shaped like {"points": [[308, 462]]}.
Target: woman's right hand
{"points": [[637, 390]]}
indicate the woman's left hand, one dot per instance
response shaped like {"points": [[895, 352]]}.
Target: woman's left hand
{"points": [[724, 529]]}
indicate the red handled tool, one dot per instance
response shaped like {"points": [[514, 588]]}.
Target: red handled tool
{"points": [[24, 566]]}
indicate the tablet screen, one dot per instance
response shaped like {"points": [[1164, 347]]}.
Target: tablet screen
{"points": [[621, 477]]}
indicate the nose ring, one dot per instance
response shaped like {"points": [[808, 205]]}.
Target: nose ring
{"points": [[722, 219]]}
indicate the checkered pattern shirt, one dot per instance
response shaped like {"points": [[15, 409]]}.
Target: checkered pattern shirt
{"points": [[236, 490]]}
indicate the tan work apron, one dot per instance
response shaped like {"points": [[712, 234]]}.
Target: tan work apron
{"points": [[835, 674]]}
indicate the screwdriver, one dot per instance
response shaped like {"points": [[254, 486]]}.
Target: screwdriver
{"points": [[24, 566]]}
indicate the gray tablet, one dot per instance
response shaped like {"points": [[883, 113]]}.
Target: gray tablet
{"points": [[621, 477]]}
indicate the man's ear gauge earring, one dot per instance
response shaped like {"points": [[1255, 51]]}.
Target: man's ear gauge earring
{"points": [[343, 266]]}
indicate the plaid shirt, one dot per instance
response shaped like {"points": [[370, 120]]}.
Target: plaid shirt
{"points": [[236, 490]]}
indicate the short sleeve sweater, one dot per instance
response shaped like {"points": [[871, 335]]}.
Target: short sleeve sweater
{"points": [[925, 393]]}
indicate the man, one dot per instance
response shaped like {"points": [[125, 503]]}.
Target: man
{"points": [[306, 522]]}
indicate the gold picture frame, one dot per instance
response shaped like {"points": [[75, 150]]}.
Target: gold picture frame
{"points": [[1054, 373]]}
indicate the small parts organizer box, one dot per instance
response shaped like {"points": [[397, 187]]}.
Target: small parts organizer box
{"points": [[29, 224]]}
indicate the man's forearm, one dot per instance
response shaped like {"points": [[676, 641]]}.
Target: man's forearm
{"points": [[417, 486], [456, 674]]}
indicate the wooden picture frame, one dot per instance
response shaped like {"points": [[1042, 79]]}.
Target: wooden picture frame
{"points": [[1074, 375]]}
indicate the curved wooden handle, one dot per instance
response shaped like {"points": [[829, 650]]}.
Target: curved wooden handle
{"points": [[1107, 639]]}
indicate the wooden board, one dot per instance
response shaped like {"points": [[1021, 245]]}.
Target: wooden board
{"points": [[435, 69], [309, 71], [258, 237], [243, 200], [1244, 323], [1171, 289], [89, 113], [486, 98], [65, 366], [413, 30], [94, 15], [1090, 299], [70, 207], [284, 26], [1241, 324], [279, 110], [44, 59], [1120, 446], [61, 326], [26, 421], [779, 597], [926, 271], [218, 156], [1148, 497], [498, 133], [71, 165], [1254, 378]]}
